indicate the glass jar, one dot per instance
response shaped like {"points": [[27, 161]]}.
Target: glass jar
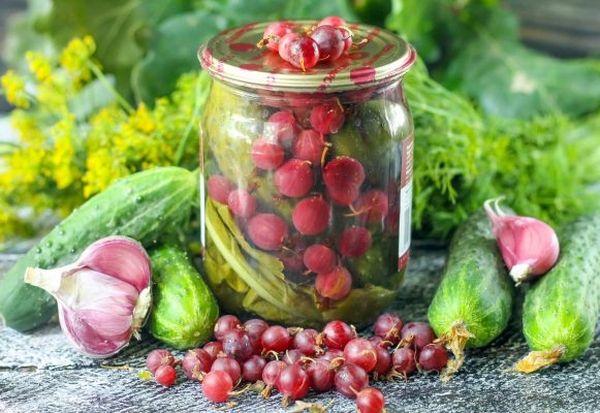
{"points": [[307, 178]]}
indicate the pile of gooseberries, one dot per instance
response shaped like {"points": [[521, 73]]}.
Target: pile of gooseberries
{"points": [[324, 43], [295, 361]]}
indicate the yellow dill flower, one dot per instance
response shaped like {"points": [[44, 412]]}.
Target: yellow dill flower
{"points": [[103, 125], [142, 120], [102, 168], [63, 156], [39, 65], [26, 125], [24, 167], [14, 88], [53, 96], [75, 58]]}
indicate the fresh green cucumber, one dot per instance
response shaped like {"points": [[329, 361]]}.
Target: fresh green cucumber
{"points": [[561, 309], [473, 302], [184, 309], [141, 206]]}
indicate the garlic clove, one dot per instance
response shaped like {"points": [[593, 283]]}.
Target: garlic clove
{"points": [[529, 247], [103, 298], [86, 339], [141, 311], [120, 257]]}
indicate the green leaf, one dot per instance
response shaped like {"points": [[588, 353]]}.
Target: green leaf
{"points": [[439, 28], [173, 52], [317, 9], [507, 79], [372, 11], [239, 12], [116, 25], [416, 20]]}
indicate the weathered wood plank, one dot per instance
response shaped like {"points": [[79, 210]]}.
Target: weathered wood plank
{"points": [[41, 373]]}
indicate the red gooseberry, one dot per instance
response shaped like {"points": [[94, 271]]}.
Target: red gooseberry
{"points": [[327, 117], [159, 357], [330, 42], [309, 146], [361, 352], [354, 241], [241, 203], [336, 334], [165, 375], [267, 231], [267, 155], [351, 379], [303, 53], [219, 187], [319, 258], [311, 216], [293, 382], [216, 386], [335, 284], [294, 178], [275, 31]]}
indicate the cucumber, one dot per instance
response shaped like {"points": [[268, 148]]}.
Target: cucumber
{"points": [[473, 302], [141, 206], [561, 310], [184, 309]]}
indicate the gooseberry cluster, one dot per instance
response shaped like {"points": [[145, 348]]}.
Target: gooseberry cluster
{"points": [[324, 43], [293, 153], [295, 361]]}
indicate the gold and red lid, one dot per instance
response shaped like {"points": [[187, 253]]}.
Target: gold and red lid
{"points": [[376, 58]]}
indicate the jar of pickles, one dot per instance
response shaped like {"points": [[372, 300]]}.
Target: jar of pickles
{"points": [[307, 172]]}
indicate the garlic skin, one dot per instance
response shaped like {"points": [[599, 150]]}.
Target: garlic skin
{"points": [[529, 247], [103, 298]]}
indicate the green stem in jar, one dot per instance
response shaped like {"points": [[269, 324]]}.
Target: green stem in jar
{"points": [[244, 270]]}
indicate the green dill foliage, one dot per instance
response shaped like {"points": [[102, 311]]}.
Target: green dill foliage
{"points": [[548, 167]]}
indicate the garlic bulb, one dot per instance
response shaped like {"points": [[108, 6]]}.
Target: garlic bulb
{"points": [[528, 246], [104, 297]]}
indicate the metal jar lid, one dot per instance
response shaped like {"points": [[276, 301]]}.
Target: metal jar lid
{"points": [[377, 57]]}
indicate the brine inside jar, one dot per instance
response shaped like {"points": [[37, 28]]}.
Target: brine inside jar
{"points": [[302, 200]]}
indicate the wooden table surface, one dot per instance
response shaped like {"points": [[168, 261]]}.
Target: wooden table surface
{"points": [[42, 373]]}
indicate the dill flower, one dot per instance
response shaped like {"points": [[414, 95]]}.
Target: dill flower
{"points": [[142, 120], [102, 168], [39, 65], [14, 88], [27, 127], [24, 167], [75, 58], [53, 97], [65, 171]]}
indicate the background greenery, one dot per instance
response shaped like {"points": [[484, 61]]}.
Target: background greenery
{"points": [[492, 116]]}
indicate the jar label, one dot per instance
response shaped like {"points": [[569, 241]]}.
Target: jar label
{"points": [[405, 202]]}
